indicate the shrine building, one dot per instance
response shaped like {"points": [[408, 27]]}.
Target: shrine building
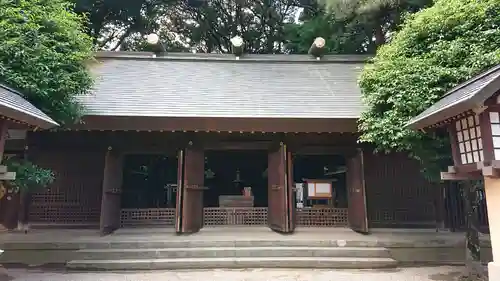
{"points": [[204, 140]]}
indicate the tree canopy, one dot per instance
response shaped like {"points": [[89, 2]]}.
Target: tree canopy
{"points": [[436, 49], [43, 54], [267, 26]]}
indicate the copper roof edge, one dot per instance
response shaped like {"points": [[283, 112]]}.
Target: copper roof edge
{"points": [[266, 58]]}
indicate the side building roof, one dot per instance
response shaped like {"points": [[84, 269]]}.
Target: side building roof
{"points": [[210, 85], [15, 107], [466, 96]]}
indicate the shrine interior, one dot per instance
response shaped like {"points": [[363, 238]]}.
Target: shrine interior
{"points": [[330, 168], [228, 173], [149, 181]]}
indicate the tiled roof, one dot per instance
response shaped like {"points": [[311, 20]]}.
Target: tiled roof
{"points": [[14, 106], [206, 85], [466, 96]]}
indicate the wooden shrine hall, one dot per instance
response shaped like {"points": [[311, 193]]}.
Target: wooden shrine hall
{"points": [[196, 140]]}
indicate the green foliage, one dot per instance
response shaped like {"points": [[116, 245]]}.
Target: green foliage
{"points": [[267, 26], [376, 18], [29, 177], [43, 52], [341, 37], [435, 50], [112, 21]]}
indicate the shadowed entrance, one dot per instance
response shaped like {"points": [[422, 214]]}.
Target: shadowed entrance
{"points": [[149, 181], [231, 173], [237, 187]]}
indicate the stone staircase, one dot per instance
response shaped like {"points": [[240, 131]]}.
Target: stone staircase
{"points": [[213, 254]]}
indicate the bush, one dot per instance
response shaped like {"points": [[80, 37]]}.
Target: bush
{"points": [[436, 49], [29, 177], [43, 54]]}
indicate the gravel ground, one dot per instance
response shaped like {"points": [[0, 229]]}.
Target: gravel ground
{"points": [[404, 274]]}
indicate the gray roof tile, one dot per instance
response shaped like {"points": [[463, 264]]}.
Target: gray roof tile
{"points": [[472, 93], [14, 106], [220, 86]]}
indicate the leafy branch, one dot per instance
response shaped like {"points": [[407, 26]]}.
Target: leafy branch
{"points": [[29, 177]]}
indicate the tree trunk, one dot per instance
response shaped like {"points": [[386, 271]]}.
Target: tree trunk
{"points": [[473, 266]]}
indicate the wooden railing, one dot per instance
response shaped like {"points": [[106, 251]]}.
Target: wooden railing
{"points": [[235, 216], [319, 217], [256, 216], [153, 216]]}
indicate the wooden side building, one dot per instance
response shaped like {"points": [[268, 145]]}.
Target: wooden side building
{"points": [[196, 140]]}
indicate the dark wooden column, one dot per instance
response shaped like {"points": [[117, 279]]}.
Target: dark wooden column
{"points": [[25, 197], [357, 212], [3, 136], [189, 208], [111, 192], [9, 202], [439, 206], [3, 198], [281, 206]]}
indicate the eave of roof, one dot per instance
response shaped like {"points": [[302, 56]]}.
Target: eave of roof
{"points": [[462, 98], [14, 106]]}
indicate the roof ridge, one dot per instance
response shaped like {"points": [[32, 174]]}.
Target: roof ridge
{"points": [[266, 58]]}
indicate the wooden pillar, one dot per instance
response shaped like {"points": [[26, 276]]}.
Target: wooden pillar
{"points": [[355, 177], [111, 192], [3, 199], [3, 137], [25, 197], [439, 206], [492, 188]]}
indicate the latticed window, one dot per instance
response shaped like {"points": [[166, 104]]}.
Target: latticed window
{"points": [[469, 141], [495, 133]]}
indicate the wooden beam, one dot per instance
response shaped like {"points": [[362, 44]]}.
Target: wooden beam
{"points": [[446, 176], [324, 150], [248, 145], [466, 168], [495, 164], [452, 170], [491, 172], [9, 176]]}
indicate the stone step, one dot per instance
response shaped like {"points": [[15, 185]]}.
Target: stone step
{"points": [[108, 243], [161, 244], [233, 262], [223, 252]]}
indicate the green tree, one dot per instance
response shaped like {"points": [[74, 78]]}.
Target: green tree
{"points": [[43, 53], [342, 36], [377, 18], [111, 22], [436, 49]]}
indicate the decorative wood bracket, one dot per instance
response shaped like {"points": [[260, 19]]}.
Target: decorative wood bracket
{"points": [[6, 175], [196, 187], [475, 172], [492, 170], [455, 174]]}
